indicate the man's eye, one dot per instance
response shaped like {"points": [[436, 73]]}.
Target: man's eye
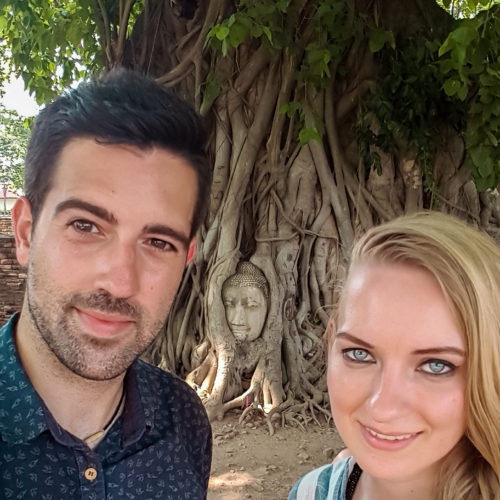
{"points": [[357, 355], [84, 226], [437, 367], [161, 244]]}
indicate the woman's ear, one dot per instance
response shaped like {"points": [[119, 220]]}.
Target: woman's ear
{"points": [[329, 332], [22, 222]]}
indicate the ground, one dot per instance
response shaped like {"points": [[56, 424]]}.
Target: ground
{"points": [[249, 463]]}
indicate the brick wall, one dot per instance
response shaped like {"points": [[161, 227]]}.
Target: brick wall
{"points": [[5, 224], [12, 277]]}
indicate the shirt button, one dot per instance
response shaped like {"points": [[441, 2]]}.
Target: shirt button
{"points": [[90, 474]]}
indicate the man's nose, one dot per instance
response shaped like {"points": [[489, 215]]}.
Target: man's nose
{"points": [[118, 271]]}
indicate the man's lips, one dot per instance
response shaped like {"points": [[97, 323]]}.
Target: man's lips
{"points": [[101, 324]]}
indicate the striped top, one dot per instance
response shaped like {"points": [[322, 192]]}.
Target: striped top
{"points": [[328, 482]]}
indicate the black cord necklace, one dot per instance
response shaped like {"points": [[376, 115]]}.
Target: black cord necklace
{"points": [[97, 435], [352, 481]]}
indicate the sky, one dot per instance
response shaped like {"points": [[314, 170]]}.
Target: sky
{"points": [[18, 99]]}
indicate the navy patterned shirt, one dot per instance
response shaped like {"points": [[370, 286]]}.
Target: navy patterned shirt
{"points": [[160, 447]]}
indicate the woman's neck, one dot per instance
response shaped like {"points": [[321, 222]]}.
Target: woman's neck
{"points": [[411, 488]]}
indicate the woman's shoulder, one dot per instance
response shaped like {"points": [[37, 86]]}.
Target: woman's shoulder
{"points": [[324, 483]]}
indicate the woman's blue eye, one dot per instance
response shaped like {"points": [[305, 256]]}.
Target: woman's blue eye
{"points": [[360, 355], [437, 367]]}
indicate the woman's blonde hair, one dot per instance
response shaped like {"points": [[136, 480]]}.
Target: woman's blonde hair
{"points": [[466, 264]]}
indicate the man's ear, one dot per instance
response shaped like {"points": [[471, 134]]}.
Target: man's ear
{"points": [[22, 222], [191, 251]]}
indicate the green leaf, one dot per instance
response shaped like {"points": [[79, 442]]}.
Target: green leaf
{"points": [[221, 32], [237, 34], [289, 108], [492, 138], [451, 86], [448, 45], [465, 34], [308, 134], [483, 159], [267, 32], [462, 92], [379, 37], [212, 91]]}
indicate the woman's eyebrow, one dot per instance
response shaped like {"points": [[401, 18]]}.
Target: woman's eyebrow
{"points": [[429, 350], [441, 350], [353, 338]]}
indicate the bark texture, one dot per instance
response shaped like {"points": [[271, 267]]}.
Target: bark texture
{"points": [[292, 210]]}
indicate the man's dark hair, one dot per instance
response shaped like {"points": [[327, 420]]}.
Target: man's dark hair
{"points": [[120, 107]]}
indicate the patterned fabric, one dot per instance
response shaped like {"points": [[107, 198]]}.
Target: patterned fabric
{"points": [[328, 482], [160, 447]]}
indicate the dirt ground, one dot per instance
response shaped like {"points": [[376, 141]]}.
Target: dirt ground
{"points": [[249, 463]]}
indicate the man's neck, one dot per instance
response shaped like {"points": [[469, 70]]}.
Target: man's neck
{"points": [[79, 405]]}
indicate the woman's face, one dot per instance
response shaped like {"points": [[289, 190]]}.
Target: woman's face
{"points": [[396, 374], [246, 310]]}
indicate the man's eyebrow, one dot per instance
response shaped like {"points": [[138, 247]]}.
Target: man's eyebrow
{"points": [[352, 338], [77, 203], [161, 229]]}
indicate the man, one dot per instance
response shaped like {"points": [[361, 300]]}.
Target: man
{"points": [[116, 185]]}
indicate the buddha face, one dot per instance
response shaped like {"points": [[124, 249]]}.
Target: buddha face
{"points": [[246, 310]]}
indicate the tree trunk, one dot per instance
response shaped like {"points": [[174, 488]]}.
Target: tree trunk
{"points": [[291, 208]]}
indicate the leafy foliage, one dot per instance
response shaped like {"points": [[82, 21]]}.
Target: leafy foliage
{"points": [[49, 44], [52, 44], [426, 85], [14, 136], [470, 62], [462, 9], [409, 105], [259, 20]]}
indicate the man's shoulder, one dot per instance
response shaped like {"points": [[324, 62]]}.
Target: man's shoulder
{"points": [[160, 379], [169, 391]]}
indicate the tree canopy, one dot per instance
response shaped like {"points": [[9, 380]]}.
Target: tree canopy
{"points": [[14, 136], [53, 44], [325, 118]]}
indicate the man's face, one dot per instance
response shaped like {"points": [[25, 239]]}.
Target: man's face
{"points": [[107, 253]]}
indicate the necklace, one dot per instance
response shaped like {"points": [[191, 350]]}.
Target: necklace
{"points": [[99, 434], [352, 481]]}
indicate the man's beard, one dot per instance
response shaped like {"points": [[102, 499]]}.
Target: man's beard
{"points": [[53, 316]]}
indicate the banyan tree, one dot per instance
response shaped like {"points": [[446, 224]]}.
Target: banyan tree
{"points": [[324, 117]]}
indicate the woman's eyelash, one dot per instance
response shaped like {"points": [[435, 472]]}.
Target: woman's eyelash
{"points": [[438, 367], [357, 355]]}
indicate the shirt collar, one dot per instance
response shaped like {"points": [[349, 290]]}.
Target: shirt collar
{"points": [[137, 411], [24, 416]]}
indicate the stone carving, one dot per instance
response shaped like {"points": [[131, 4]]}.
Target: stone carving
{"points": [[245, 295]]}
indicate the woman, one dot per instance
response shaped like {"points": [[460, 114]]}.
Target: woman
{"points": [[414, 367]]}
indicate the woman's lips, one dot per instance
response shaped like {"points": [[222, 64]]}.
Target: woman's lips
{"points": [[392, 441], [104, 325]]}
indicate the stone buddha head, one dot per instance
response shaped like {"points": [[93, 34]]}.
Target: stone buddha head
{"points": [[245, 295]]}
